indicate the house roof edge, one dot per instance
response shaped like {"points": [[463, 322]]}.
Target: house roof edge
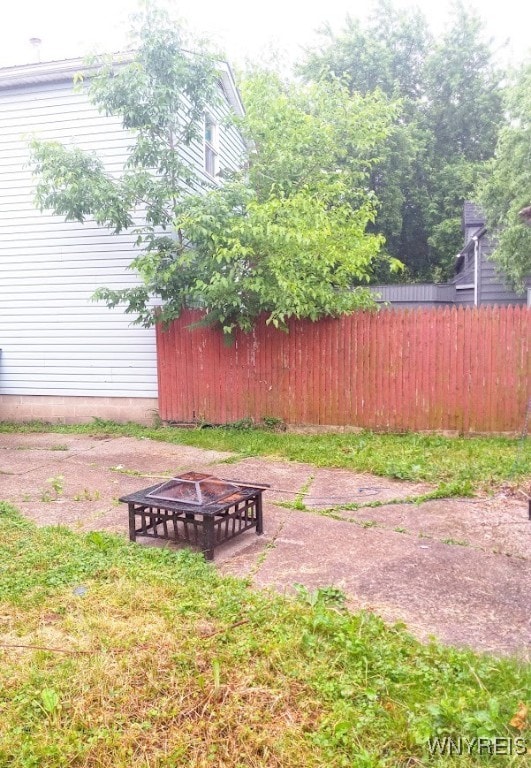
{"points": [[63, 70]]}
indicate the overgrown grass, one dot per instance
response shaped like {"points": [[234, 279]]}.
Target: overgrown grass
{"points": [[461, 463], [158, 661]]}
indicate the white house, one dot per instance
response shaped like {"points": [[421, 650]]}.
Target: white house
{"points": [[65, 357]]}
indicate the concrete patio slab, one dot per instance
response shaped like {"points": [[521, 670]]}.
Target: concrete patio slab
{"points": [[285, 478], [458, 594], [498, 524], [331, 487], [439, 575]]}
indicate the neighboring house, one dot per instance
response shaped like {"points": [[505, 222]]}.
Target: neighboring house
{"points": [[64, 356], [477, 280]]}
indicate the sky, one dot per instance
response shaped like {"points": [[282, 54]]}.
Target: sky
{"points": [[243, 29]]}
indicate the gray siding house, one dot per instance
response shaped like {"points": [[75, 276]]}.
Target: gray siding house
{"points": [[65, 357], [476, 282]]}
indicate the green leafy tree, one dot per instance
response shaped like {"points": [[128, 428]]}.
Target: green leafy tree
{"points": [[388, 53], [462, 113], [285, 236], [446, 129], [506, 190], [160, 96]]}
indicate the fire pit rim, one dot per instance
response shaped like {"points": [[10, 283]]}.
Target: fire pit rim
{"points": [[195, 479]]}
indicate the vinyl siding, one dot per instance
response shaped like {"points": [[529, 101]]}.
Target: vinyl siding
{"points": [[55, 340], [466, 276], [493, 289], [415, 294], [464, 297]]}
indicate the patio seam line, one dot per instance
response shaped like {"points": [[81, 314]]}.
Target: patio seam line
{"points": [[382, 528], [64, 458], [263, 556]]}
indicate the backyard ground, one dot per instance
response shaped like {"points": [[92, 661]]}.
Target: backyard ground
{"points": [[134, 656], [458, 569]]}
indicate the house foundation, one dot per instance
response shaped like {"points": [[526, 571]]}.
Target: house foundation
{"points": [[77, 410]]}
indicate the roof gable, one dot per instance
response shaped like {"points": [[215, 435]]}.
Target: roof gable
{"points": [[64, 71]]}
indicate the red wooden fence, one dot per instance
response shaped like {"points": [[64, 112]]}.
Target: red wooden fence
{"points": [[458, 369]]}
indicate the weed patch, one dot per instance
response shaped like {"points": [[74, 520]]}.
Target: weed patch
{"points": [[455, 464]]}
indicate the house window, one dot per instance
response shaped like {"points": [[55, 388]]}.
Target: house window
{"points": [[211, 146]]}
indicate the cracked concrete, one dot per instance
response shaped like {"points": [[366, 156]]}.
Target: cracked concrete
{"points": [[456, 569]]}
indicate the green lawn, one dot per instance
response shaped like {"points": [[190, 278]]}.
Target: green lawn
{"points": [[457, 464], [158, 661]]}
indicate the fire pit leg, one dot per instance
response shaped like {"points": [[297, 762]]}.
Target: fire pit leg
{"points": [[259, 515], [208, 537], [132, 532]]}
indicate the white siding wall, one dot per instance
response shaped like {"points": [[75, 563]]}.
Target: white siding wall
{"points": [[54, 339]]}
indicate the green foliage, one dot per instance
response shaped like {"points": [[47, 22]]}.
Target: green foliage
{"points": [[57, 486], [389, 52], [317, 137], [450, 115], [285, 236], [50, 701], [463, 115], [75, 185], [464, 106], [86, 495], [160, 95], [507, 188], [169, 663]]}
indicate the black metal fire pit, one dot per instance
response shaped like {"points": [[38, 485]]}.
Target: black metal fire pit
{"points": [[195, 508]]}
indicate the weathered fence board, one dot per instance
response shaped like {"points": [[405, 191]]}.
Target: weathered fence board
{"points": [[459, 369]]}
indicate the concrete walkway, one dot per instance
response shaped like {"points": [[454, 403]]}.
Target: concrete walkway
{"points": [[459, 570]]}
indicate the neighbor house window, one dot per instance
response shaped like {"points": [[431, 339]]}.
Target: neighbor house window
{"points": [[211, 146]]}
